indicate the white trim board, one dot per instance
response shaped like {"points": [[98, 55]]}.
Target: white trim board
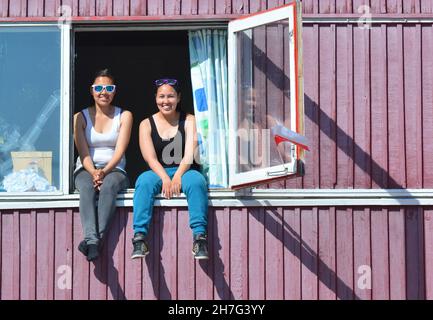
{"points": [[254, 198]]}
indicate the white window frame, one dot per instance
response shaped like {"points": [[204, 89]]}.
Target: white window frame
{"points": [[65, 127], [292, 13]]}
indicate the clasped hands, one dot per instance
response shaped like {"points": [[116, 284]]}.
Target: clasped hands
{"points": [[98, 177], [171, 187]]}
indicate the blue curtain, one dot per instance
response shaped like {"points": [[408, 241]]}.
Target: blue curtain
{"points": [[208, 56]]}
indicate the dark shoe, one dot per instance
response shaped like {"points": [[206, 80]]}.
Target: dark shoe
{"points": [[199, 247], [92, 252], [82, 247], [141, 249]]}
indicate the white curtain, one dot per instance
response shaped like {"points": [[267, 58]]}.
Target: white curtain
{"points": [[208, 56]]}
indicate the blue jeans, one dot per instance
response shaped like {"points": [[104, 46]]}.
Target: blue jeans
{"points": [[149, 184]]}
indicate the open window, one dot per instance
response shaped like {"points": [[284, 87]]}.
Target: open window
{"points": [[34, 109], [265, 97]]}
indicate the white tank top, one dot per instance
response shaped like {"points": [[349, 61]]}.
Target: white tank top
{"points": [[102, 145]]}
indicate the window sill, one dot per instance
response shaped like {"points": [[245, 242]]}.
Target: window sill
{"points": [[246, 198]]}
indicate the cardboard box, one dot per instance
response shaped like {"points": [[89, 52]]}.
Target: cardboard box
{"points": [[40, 160]]}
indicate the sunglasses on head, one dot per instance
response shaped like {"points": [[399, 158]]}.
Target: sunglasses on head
{"points": [[108, 87], [160, 82]]}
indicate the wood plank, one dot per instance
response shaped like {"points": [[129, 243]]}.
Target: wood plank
{"points": [[415, 274], [80, 266], [63, 255], [221, 253], [428, 243], [239, 7], [396, 139], [327, 105], [35, 8], [239, 253], [116, 250], [378, 6], [411, 6], [51, 8], [225, 6], [204, 289], [379, 109], [18, 8], [73, 5], [133, 267], [343, 6], [155, 7], [292, 254], [104, 8], [362, 253], [168, 248], [189, 7], [185, 261], [427, 111], [4, 8], [138, 7], [87, 8], [362, 6], [45, 255], [327, 6], [311, 100], [345, 130], [310, 6], [274, 258], [361, 74], [256, 6], [413, 104], [326, 259], [426, 6], [10, 261], [256, 254], [28, 255], [394, 6], [380, 254], [397, 256], [172, 7], [309, 253], [344, 238], [152, 264], [205, 6], [121, 8]]}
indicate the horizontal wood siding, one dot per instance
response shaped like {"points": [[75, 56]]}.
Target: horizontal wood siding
{"points": [[314, 253]]}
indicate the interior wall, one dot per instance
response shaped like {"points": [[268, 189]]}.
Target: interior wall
{"points": [[136, 59]]}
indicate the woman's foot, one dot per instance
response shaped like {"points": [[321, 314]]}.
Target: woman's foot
{"points": [[82, 247], [92, 252]]}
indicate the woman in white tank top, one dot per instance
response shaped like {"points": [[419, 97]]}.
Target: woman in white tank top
{"points": [[101, 135]]}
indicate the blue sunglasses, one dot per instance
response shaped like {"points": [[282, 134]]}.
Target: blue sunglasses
{"points": [[160, 82], [108, 87]]}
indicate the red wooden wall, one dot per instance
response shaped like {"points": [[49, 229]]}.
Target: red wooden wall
{"points": [[256, 253], [48, 8]]}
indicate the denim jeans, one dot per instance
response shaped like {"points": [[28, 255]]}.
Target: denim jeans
{"points": [[149, 184], [95, 222]]}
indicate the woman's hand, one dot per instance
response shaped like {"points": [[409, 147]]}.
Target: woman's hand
{"points": [[98, 177], [176, 185], [166, 188]]}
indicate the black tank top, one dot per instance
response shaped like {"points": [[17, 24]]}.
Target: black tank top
{"points": [[170, 152]]}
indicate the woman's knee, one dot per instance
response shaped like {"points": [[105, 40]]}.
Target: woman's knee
{"points": [[148, 180], [193, 179]]}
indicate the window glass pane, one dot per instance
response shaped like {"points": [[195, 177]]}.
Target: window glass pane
{"points": [[263, 96], [29, 108]]}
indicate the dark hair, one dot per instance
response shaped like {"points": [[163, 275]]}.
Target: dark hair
{"points": [[176, 86], [104, 73]]}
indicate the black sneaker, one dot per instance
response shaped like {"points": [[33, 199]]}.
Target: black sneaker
{"points": [[199, 247], [82, 247], [92, 252], [141, 249]]}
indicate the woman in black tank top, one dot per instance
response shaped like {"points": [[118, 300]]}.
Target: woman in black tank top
{"points": [[168, 143]]}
